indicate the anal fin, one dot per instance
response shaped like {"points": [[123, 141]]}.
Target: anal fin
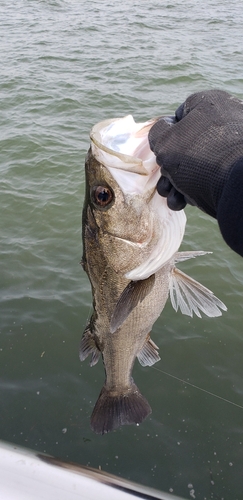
{"points": [[148, 354], [191, 297], [88, 347]]}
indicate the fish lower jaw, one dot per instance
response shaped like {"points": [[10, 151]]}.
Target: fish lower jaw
{"points": [[135, 244], [140, 243]]}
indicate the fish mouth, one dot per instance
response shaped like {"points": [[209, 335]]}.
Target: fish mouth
{"points": [[122, 146]]}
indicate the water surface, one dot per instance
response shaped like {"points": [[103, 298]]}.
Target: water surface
{"points": [[65, 65]]}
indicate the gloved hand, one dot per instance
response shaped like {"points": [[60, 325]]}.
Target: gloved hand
{"points": [[197, 151]]}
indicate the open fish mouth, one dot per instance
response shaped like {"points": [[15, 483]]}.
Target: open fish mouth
{"points": [[122, 146]]}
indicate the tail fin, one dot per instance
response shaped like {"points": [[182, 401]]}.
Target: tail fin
{"points": [[112, 410]]}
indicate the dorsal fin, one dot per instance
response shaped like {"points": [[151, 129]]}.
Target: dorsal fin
{"points": [[135, 292], [191, 297]]}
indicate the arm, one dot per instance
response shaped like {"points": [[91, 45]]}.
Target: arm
{"points": [[230, 209]]}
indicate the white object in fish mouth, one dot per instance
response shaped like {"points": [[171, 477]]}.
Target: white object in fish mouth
{"points": [[122, 146]]}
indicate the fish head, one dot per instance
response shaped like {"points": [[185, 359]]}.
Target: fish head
{"points": [[123, 222], [131, 220]]}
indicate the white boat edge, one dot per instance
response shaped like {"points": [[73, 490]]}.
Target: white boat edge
{"points": [[28, 475]]}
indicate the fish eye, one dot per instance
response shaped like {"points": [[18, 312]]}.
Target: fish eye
{"points": [[102, 196]]}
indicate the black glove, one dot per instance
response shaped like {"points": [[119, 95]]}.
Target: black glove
{"points": [[197, 152]]}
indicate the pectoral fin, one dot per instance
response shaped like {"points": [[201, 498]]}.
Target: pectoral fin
{"points": [[134, 293], [191, 297], [148, 354], [88, 346]]}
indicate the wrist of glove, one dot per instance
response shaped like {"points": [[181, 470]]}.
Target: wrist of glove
{"points": [[197, 152], [230, 209]]}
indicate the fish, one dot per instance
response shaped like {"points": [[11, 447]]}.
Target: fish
{"points": [[130, 251]]}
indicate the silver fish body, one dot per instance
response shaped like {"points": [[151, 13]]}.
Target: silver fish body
{"points": [[130, 242]]}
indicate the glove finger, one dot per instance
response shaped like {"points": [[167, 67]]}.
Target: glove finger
{"points": [[188, 105], [175, 200], [164, 186], [179, 114], [157, 131]]}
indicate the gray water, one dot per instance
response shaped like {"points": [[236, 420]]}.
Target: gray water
{"points": [[65, 65]]}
